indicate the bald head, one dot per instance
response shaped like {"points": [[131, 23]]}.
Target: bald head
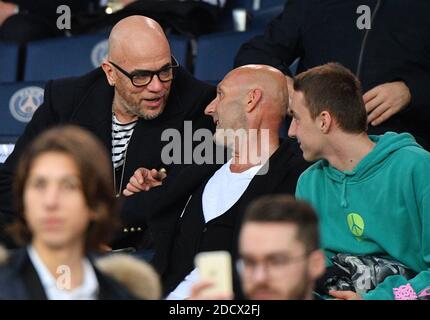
{"points": [[138, 44], [269, 80], [136, 38]]}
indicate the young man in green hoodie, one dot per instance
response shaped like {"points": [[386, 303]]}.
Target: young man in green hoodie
{"points": [[372, 193]]}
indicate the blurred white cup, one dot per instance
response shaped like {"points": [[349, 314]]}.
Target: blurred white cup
{"points": [[113, 6], [239, 19]]}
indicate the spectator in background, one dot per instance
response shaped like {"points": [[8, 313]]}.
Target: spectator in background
{"points": [[188, 17], [28, 20], [138, 93], [391, 59], [279, 255], [279, 250], [67, 210], [371, 193]]}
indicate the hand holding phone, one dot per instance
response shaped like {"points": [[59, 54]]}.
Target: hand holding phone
{"points": [[215, 267]]}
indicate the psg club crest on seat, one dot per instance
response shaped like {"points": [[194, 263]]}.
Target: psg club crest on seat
{"points": [[99, 53], [24, 103]]}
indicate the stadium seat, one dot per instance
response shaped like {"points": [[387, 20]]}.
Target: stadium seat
{"points": [[18, 101], [63, 57], [8, 61], [179, 47], [216, 52]]}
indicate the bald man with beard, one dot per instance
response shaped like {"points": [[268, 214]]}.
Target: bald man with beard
{"points": [[202, 209], [139, 91]]}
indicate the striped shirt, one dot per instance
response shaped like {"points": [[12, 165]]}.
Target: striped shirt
{"points": [[121, 134]]}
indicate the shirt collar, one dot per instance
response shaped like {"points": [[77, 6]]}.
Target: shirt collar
{"points": [[52, 286]]}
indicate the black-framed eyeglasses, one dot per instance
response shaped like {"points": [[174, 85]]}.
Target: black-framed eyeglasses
{"points": [[274, 265], [140, 78]]}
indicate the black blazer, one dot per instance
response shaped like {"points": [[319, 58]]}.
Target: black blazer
{"points": [[178, 240], [20, 281], [87, 101]]}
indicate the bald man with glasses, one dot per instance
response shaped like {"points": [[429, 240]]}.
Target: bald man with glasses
{"points": [[127, 107], [141, 78]]}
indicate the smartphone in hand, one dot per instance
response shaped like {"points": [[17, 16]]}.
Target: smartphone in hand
{"points": [[215, 266]]}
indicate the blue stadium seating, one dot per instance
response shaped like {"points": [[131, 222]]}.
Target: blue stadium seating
{"points": [[216, 52], [8, 61], [179, 47], [63, 57], [18, 101]]}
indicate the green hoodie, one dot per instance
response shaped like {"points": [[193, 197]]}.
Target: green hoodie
{"points": [[381, 207]]}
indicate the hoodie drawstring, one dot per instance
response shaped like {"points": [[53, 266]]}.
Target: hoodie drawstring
{"points": [[343, 201]]}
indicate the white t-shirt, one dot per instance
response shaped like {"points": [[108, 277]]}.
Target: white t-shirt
{"points": [[221, 192], [224, 189], [87, 291]]}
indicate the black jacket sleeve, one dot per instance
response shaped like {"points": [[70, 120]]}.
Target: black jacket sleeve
{"points": [[418, 80], [281, 43]]}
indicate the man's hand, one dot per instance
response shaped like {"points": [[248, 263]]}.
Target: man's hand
{"points": [[143, 180], [6, 10], [345, 295], [385, 100], [197, 292]]}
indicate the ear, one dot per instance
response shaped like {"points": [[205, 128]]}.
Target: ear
{"points": [[326, 121], [94, 214], [107, 68], [316, 264], [253, 97]]}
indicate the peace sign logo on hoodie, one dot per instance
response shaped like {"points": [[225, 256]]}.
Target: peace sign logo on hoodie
{"points": [[355, 224]]}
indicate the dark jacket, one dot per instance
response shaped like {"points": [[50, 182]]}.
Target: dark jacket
{"points": [[189, 17], [321, 31], [48, 8], [87, 101], [19, 281], [178, 240]]}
